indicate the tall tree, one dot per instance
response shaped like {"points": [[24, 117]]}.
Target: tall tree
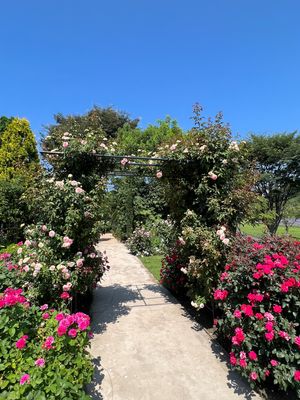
{"points": [[277, 158], [17, 149]]}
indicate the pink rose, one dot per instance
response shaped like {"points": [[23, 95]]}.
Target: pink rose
{"points": [[24, 379], [277, 309], [253, 376], [40, 362], [274, 363], [159, 174], [72, 333], [252, 355], [52, 234], [65, 144], [45, 316]]}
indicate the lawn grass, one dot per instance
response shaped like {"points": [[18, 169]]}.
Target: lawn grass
{"points": [[259, 230], [153, 264]]}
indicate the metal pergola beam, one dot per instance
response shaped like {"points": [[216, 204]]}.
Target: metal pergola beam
{"points": [[114, 156]]}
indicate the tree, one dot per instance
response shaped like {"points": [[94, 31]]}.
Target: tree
{"points": [[18, 162], [18, 151], [97, 121], [277, 159], [291, 212]]}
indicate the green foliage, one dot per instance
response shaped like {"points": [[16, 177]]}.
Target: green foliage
{"points": [[277, 158], [139, 142], [13, 210], [18, 162], [17, 149]]}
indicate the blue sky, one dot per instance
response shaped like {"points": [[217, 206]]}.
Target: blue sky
{"points": [[152, 59]]}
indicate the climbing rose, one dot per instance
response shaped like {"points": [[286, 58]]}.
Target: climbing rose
{"points": [[44, 307], [237, 314], [45, 316], [65, 144], [40, 362], [52, 234], [212, 176], [65, 295], [274, 363], [297, 341], [159, 174], [243, 363], [25, 378], [79, 190]]}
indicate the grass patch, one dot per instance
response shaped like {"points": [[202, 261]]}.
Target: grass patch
{"points": [[260, 230], [153, 264]]}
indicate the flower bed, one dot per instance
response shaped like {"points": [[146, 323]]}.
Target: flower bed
{"points": [[43, 351], [259, 295]]}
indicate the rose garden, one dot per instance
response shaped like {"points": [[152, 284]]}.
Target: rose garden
{"points": [[181, 201]]}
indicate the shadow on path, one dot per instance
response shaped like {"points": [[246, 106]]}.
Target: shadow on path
{"points": [[94, 388]]}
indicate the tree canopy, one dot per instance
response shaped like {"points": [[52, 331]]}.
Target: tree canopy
{"points": [[277, 159]]}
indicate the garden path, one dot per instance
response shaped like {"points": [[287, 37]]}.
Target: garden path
{"points": [[146, 347]]}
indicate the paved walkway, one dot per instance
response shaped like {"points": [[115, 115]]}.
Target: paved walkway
{"points": [[145, 346]]}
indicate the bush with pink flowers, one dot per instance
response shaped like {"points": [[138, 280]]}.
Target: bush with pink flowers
{"points": [[43, 351], [258, 292]]}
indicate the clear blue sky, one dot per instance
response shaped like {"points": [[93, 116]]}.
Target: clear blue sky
{"points": [[153, 58]]}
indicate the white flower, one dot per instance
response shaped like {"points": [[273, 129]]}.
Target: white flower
{"points": [[41, 245], [194, 304], [203, 147], [19, 251], [52, 268], [234, 146], [184, 270]]}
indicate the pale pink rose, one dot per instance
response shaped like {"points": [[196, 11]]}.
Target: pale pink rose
{"points": [[65, 144], [124, 161], [27, 243], [67, 242], [222, 236], [74, 183], [52, 268], [225, 241], [52, 234], [173, 147], [26, 268], [19, 251], [78, 190], [44, 228], [212, 176], [40, 362], [159, 174], [79, 262]]}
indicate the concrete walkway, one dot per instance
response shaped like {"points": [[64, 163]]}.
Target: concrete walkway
{"points": [[145, 346]]}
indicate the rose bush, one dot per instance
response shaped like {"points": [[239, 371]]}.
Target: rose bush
{"points": [[43, 351], [258, 293], [207, 183]]}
